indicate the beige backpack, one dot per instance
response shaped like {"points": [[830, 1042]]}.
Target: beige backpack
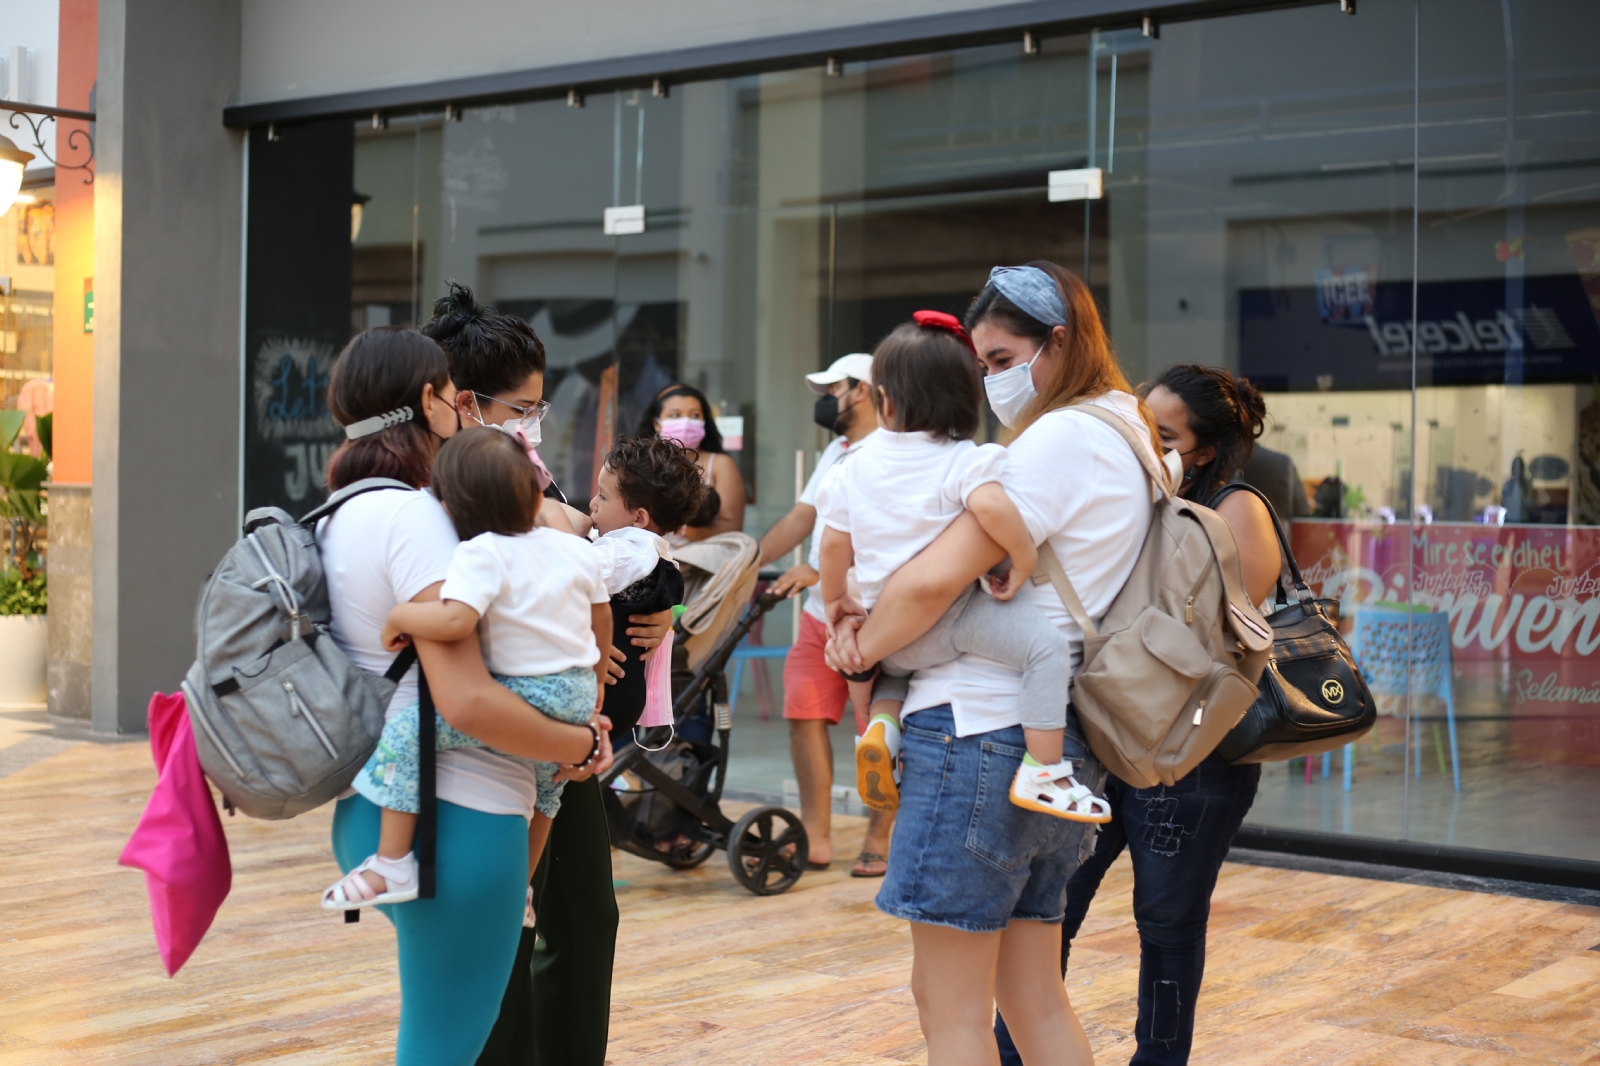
{"points": [[1174, 663]]}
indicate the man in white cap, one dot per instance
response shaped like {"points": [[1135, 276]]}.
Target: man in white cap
{"points": [[814, 694]]}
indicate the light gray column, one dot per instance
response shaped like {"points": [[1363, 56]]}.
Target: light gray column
{"points": [[168, 210]]}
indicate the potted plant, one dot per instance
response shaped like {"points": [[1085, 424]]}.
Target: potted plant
{"points": [[23, 595]]}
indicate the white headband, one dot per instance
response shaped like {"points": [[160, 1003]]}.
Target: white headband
{"points": [[368, 426]]}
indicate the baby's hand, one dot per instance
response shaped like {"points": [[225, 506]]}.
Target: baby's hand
{"points": [[393, 639], [1007, 586]]}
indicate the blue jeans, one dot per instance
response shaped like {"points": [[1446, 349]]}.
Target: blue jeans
{"points": [[1177, 837], [963, 855]]}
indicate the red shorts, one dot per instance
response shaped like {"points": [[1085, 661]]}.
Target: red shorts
{"points": [[812, 688]]}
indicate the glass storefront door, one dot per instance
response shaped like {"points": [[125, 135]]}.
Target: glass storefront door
{"points": [[1300, 196]]}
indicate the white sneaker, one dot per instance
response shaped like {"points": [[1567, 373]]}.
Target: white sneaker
{"points": [[527, 915], [1053, 790]]}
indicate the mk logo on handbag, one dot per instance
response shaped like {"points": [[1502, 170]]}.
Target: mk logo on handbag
{"points": [[1332, 692]]}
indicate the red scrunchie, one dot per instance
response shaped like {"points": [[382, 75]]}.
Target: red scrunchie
{"points": [[948, 323]]}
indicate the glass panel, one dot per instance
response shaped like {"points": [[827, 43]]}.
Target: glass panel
{"points": [[1505, 545], [1259, 203]]}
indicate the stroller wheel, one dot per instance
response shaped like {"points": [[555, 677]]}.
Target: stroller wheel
{"points": [[688, 855], [767, 850]]}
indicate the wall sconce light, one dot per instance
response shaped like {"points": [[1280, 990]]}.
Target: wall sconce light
{"points": [[13, 161], [358, 206]]}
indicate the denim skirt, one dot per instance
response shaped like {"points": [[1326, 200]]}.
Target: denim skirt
{"points": [[963, 855]]}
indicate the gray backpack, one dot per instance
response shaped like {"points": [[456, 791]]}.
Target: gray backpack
{"points": [[283, 720]]}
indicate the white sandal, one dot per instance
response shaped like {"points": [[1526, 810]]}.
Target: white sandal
{"points": [[528, 915], [352, 892], [1037, 788]]}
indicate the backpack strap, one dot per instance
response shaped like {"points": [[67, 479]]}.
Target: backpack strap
{"points": [[1050, 570], [1152, 468], [350, 492], [1247, 623], [427, 799]]}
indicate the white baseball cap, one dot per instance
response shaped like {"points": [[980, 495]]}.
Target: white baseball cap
{"points": [[856, 365]]}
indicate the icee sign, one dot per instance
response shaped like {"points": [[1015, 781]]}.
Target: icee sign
{"points": [[1358, 332], [1524, 610]]}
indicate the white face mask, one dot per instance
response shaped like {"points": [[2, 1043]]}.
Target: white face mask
{"points": [[1010, 390]]}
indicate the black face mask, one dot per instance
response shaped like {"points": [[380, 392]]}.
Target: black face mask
{"points": [[827, 414]]}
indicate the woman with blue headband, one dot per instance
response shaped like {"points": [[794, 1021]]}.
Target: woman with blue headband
{"points": [[984, 886]]}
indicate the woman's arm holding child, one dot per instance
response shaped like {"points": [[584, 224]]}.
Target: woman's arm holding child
{"points": [[445, 621], [999, 517]]}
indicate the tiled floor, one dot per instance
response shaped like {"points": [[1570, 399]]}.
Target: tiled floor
{"points": [[1304, 968]]}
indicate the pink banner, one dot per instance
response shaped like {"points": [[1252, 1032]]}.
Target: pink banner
{"points": [[1524, 608]]}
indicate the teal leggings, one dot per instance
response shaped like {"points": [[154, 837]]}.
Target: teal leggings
{"points": [[456, 950]]}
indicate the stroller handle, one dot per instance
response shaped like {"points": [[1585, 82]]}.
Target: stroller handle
{"points": [[718, 659]]}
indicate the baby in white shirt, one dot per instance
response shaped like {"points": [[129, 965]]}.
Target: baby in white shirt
{"points": [[648, 485], [903, 487]]}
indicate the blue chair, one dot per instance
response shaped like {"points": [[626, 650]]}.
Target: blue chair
{"points": [[1379, 644], [745, 651]]}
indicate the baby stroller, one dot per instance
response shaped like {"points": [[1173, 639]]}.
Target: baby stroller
{"points": [[663, 795]]}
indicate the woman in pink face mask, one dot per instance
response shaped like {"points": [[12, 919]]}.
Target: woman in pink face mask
{"points": [[681, 413]]}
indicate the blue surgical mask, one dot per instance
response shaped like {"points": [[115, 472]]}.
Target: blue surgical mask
{"points": [[1010, 390]]}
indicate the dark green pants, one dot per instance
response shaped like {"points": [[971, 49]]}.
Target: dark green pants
{"points": [[557, 1008]]}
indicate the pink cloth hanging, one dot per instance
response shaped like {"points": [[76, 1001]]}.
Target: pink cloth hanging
{"points": [[658, 686], [179, 843]]}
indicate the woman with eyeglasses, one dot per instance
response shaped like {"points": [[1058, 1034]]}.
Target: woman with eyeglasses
{"points": [[681, 413], [557, 1008]]}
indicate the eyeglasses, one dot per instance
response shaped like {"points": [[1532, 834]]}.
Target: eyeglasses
{"points": [[526, 417]]}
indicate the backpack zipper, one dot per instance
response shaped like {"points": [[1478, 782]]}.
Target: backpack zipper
{"points": [[303, 711]]}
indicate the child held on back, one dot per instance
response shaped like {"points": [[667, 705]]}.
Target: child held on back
{"points": [[545, 629], [907, 483]]}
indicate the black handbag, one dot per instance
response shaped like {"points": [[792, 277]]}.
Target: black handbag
{"points": [[1313, 698]]}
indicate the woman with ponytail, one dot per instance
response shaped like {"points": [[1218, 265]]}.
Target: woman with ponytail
{"points": [[391, 391]]}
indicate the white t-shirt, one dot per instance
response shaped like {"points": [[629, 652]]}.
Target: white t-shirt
{"points": [[1079, 485], [629, 554], [534, 591], [899, 492], [380, 549], [837, 449]]}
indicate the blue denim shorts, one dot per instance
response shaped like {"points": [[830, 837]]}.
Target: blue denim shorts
{"points": [[965, 856]]}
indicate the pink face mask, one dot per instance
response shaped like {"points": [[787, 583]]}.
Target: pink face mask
{"points": [[688, 432]]}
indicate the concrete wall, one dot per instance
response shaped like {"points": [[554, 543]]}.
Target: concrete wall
{"points": [[166, 404], [297, 48]]}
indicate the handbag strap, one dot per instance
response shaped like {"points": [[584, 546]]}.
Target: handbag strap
{"points": [[1050, 570], [1302, 591]]}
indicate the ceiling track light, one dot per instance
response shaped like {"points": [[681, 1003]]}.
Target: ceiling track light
{"points": [[379, 121], [1151, 28], [835, 68], [452, 113], [272, 134], [660, 89], [574, 97], [1347, 7], [1030, 43]]}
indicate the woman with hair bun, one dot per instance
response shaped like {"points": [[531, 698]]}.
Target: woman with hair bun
{"points": [[1177, 836]]}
